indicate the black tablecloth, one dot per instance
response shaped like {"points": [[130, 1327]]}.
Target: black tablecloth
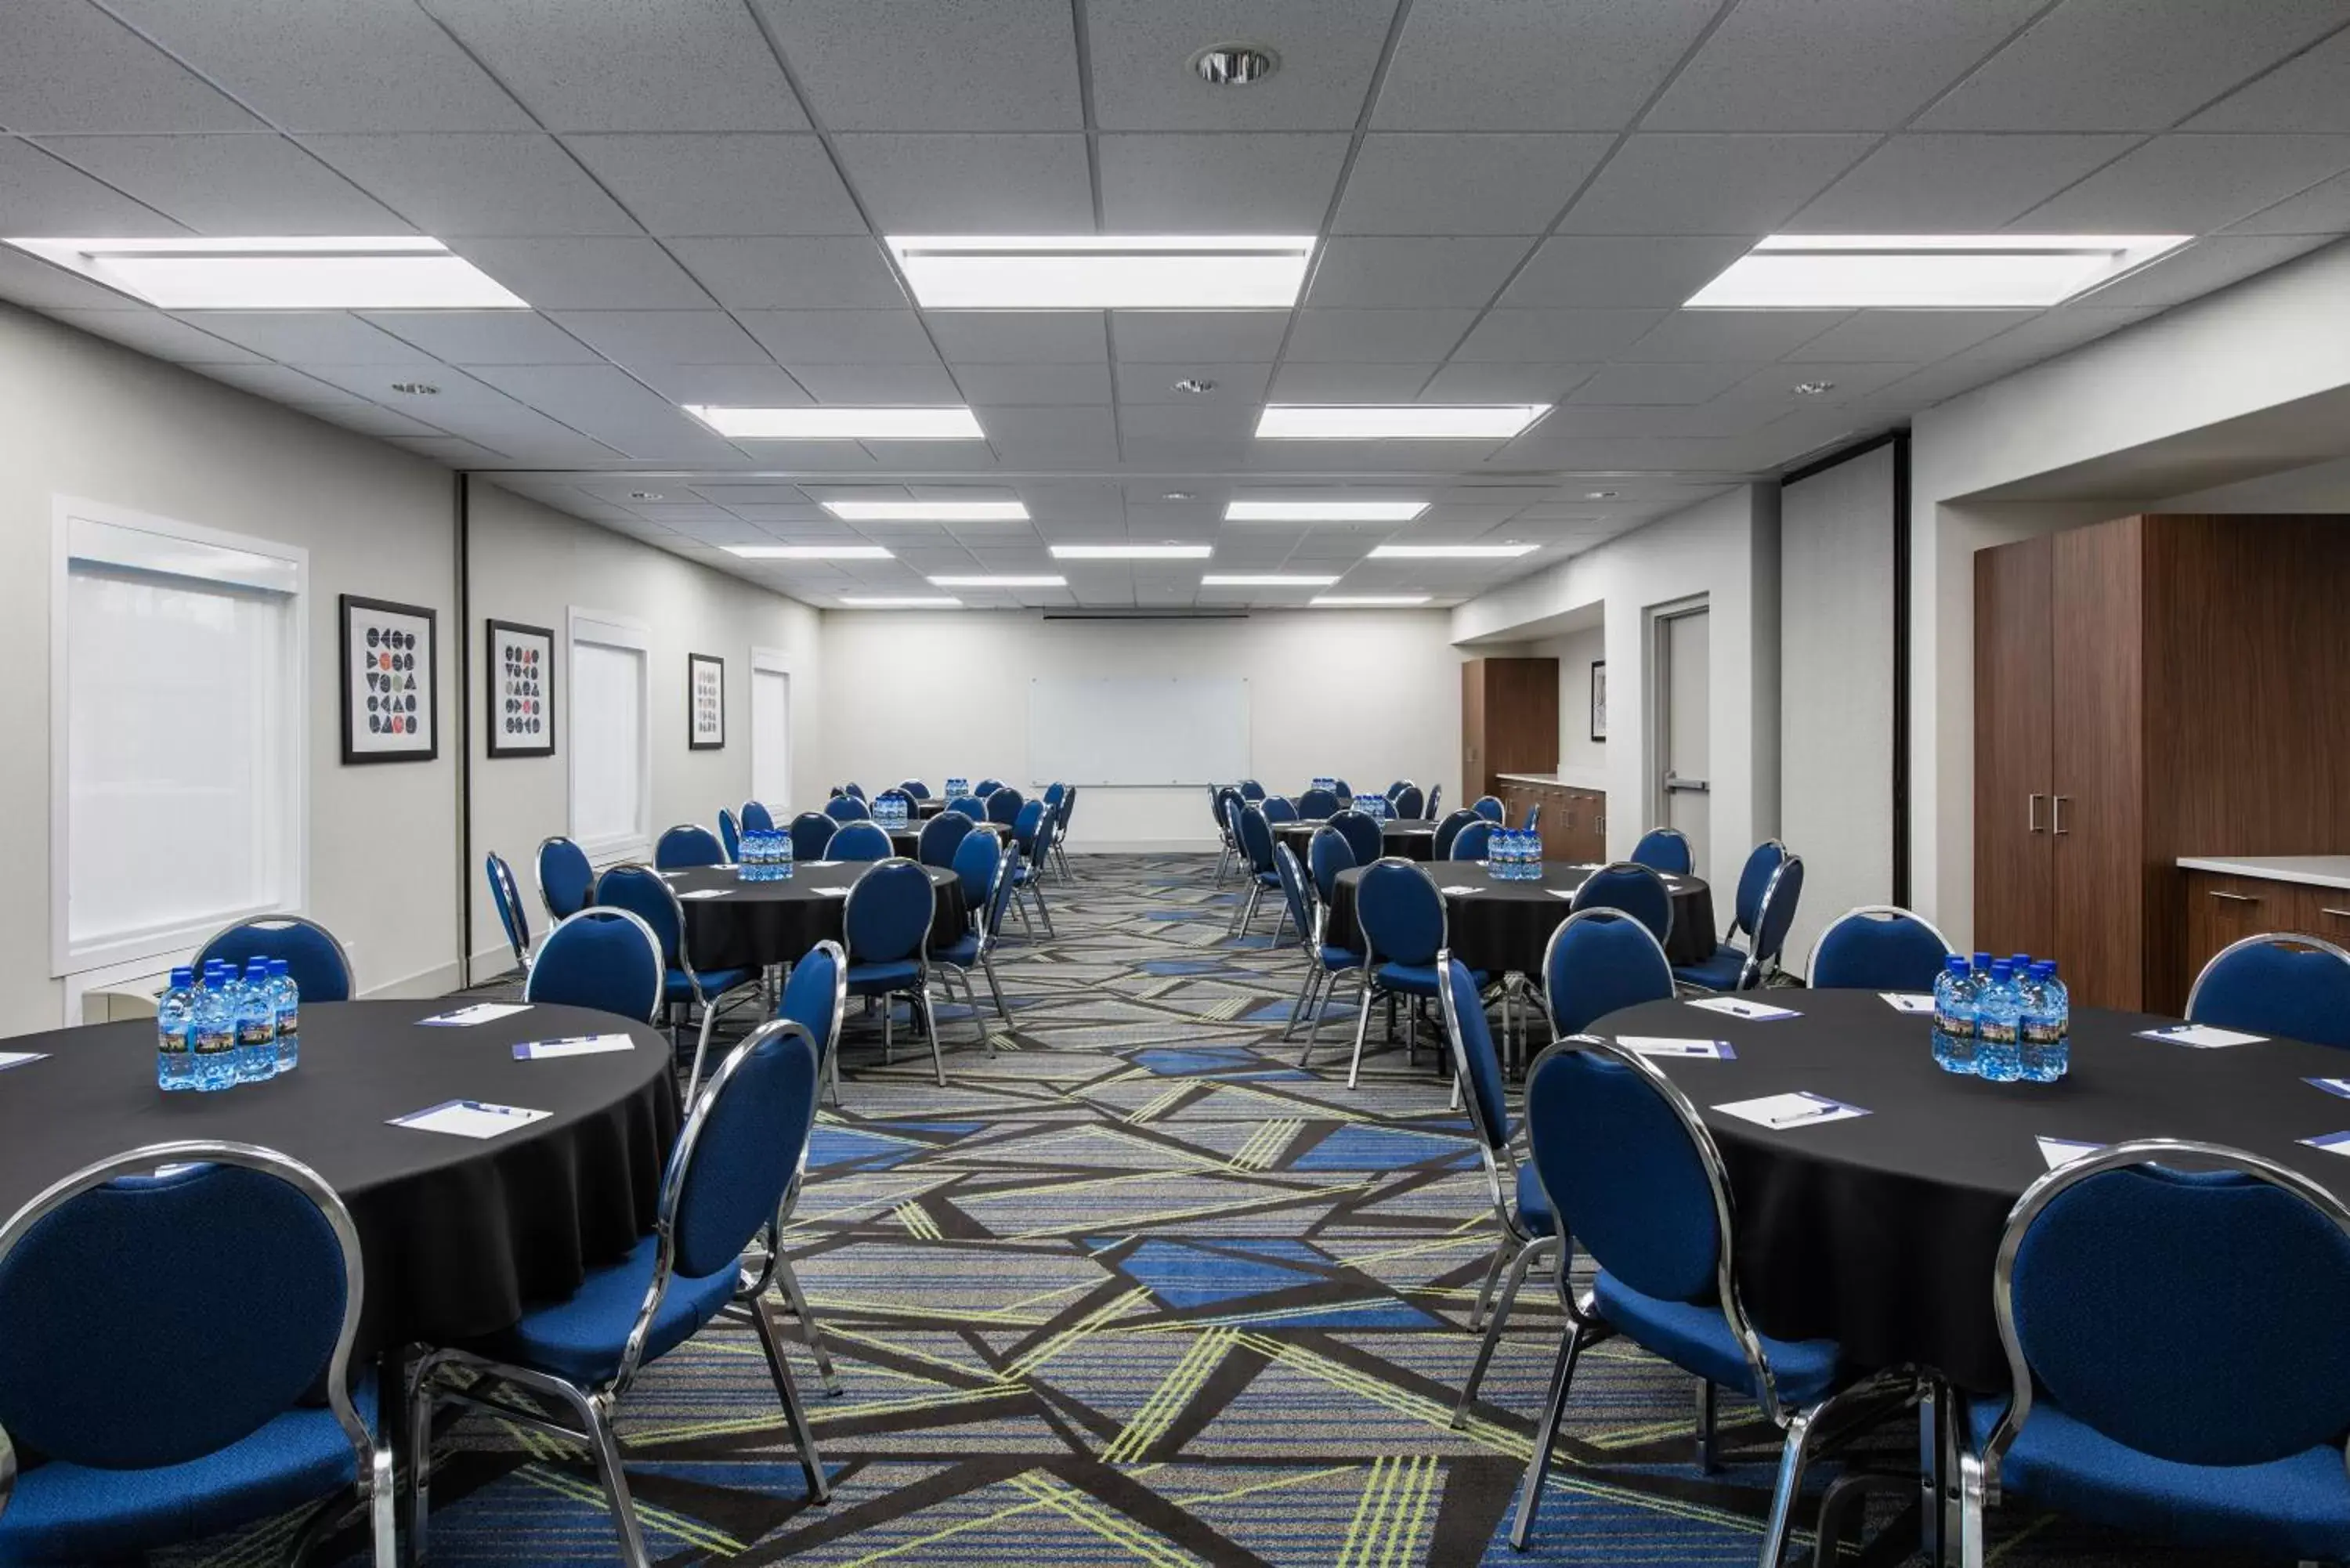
{"points": [[1881, 1232], [1412, 837], [754, 924], [1504, 926], [457, 1233], [907, 840]]}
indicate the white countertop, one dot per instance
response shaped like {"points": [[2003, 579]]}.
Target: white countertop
{"points": [[1573, 778], [2313, 870]]}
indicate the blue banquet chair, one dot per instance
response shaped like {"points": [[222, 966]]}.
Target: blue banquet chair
{"points": [[1030, 859], [1364, 836], [853, 790], [1250, 790], [1473, 841], [1278, 808], [1225, 801], [507, 899], [1317, 803], [969, 805], [914, 788], [2279, 983], [1329, 952], [1448, 829], [867, 841], [986, 787], [1636, 889], [1409, 804], [686, 845], [1255, 836], [983, 866], [320, 966], [730, 835], [1003, 805], [1876, 947], [566, 881], [1490, 807], [1404, 928], [685, 989], [607, 959], [756, 818], [1665, 849], [885, 927], [847, 808], [1775, 880], [941, 836], [811, 831]]}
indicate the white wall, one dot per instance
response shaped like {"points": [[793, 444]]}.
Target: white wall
{"points": [[1368, 695], [1577, 751]]}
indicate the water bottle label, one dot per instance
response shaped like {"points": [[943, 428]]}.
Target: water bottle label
{"points": [[289, 1020], [254, 1032], [2042, 1032], [214, 1040]]}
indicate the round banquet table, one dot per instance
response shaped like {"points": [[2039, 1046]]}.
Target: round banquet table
{"points": [[1501, 926], [734, 924], [458, 1233], [1412, 837], [907, 840], [1880, 1230]]}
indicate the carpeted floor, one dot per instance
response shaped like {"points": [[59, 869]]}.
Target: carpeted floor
{"points": [[1139, 1290]]}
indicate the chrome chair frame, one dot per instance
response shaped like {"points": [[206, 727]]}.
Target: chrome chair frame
{"points": [[595, 1407], [538, 879], [928, 1008], [1245, 914], [1372, 988], [509, 893], [1041, 841], [1671, 914], [1757, 968], [983, 920], [752, 991], [2259, 938], [651, 1014], [1501, 821], [1434, 810], [342, 953], [730, 834], [1687, 854], [1328, 986], [371, 1451], [1865, 911]]}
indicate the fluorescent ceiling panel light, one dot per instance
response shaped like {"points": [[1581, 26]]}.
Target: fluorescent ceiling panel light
{"points": [[900, 601], [1132, 552], [1005, 581], [1400, 421], [1451, 552], [395, 272], [1266, 580], [928, 511], [807, 552], [954, 423], [1367, 601], [1924, 271], [1322, 511], [1120, 272]]}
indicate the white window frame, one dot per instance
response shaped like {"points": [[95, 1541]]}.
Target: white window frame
{"points": [[610, 631], [771, 661], [144, 541]]}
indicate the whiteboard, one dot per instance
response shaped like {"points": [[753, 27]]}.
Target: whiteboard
{"points": [[1157, 730]]}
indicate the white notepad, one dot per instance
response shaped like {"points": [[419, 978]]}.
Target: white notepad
{"points": [[833, 892], [1665, 1045], [1561, 892], [19, 1058], [2337, 1086], [1909, 1001], [2332, 1143], [470, 1118], [2063, 1151], [1801, 1110], [479, 1012], [572, 1045], [1461, 892], [705, 893], [1739, 1007], [2201, 1036]]}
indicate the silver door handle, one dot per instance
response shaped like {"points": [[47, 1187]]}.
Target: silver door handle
{"points": [[2234, 898], [2337, 914], [2031, 814], [2056, 812], [1675, 784]]}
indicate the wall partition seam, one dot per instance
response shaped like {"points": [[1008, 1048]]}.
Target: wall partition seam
{"points": [[463, 521]]}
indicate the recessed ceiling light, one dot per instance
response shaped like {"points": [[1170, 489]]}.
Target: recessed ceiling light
{"points": [[808, 552], [1266, 580], [1322, 511], [900, 601], [1599, 495], [948, 423], [1367, 601], [1132, 552], [1004, 580], [416, 389], [928, 511], [1195, 385], [1404, 421], [644, 495], [1812, 389], [1813, 272], [397, 272], [1103, 271], [1234, 65], [1451, 552]]}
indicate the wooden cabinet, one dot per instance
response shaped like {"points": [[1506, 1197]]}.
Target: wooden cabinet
{"points": [[1574, 819], [2324, 912], [2145, 689], [1509, 721]]}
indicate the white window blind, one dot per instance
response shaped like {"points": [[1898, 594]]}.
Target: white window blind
{"points": [[610, 741]]}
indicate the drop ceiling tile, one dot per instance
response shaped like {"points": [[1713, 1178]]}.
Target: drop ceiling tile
{"points": [[68, 66], [2127, 64], [452, 451], [933, 65], [2203, 266], [1831, 65], [373, 381], [1752, 335], [2190, 184], [1141, 51], [791, 274], [227, 184], [473, 183], [1349, 383], [323, 336], [739, 183], [1182, 423], [2323, 208], [484, 336], [1954, 183], [153, 333], [1414, 271], [1777, 383], [1377, 337], [842, 336], [1912, 336], [522, 434], [598, 274], [2311, 92], [367, 418], [1030, 184], [1020, 336], [1532, 383], [938, 456], [665, 337], [1472, 65], [41, 195], [1557, 336], [1621, 270], [1659, 383], [2057, 331], [1244, 183], [1231, 383], [1018, 383], [882, 384], [684, 65], [1049, 435], [1174, 337], [1686, 183], [1415, 184]]}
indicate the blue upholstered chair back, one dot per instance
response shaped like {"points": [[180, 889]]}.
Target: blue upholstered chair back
{"points": [[2278, 984], [1876, 948], [508, 899], [1401, 912], [152, 1320], [889, 913], [688, 844], [1473, 840], [859, 841], [1327, 854], [1473, 1057], [1489, 807], [914, 787], [1533, 817], [1363, 836], [969, 805], [567, 882], [1317, 803], [1746, 913], [986, 787], [313, 957], [1251, 790], [1003, 805], [606, 958], [847, 808], [741, 1148], [1341, 789], [1450, 829], [1665, 849], [1779, 897], [729, 834], [1396, 789], [853, 790], [815, 995], [1596, 961], [1056, 792], [639, 890], [757, 818], [977, 858], [999, 903], [1278, 808], [1256, 837], [1623, 1171], [1410, 803], [1635, 890], [2193, 1316], [811, 831], [941, 837], [1295, 889], [1030, 817]]}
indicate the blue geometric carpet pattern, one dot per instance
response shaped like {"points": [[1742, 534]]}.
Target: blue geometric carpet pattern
{"points": [[1137, 1289]]}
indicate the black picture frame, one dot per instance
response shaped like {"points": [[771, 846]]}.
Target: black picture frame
{"points": [[1599, 700], [389, 669], [519, 695], [705, 711]]}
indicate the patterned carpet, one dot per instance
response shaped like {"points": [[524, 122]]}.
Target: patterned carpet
{"points": [[1139, 1290]]}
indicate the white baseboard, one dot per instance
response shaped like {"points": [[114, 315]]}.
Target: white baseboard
{"points": [[1146, 847], [438, 980]]}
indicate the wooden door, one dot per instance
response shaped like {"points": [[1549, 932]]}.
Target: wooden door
{"points": [[2097, 820], [1474, 780], [2015, 736]]}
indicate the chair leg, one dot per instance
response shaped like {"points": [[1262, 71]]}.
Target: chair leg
{"points": [[1362, 1026], [1971, 1511], [811, 1466], [888, 1032], [419, 1395], [1788, 1488], [701, 1051], [606, 1446], [1021, 910], [930, 1028], [1562, 1378], [1486, 1291], [1036, 891], [1519, 1267], [1707, 1460], [790, 1282], [987, 962], [1300, 1008], [383, 1505]]}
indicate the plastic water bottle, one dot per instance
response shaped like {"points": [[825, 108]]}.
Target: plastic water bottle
{"points": [[1999, 1027], [2047, 1045], [285, 1002], [1954, 1017], [779, 860], [257, 1025], [213, 1042], [175, 1023], [1521, 855]]}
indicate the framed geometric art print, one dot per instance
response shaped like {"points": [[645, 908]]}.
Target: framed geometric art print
{"points": [[521, 661], [705, 702], [390, 712]]}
